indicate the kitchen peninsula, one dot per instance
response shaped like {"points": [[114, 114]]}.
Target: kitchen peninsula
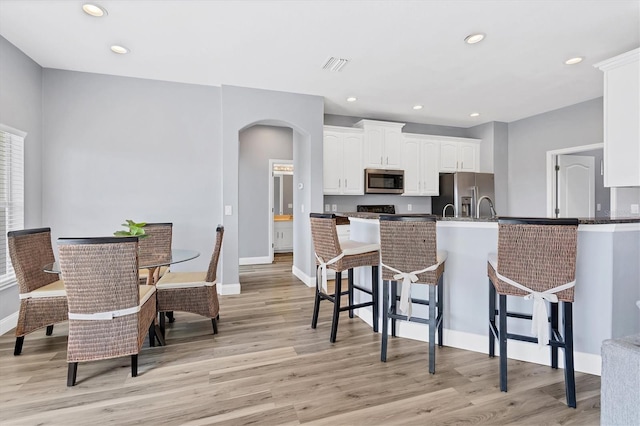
{"points": [[607, 286]]}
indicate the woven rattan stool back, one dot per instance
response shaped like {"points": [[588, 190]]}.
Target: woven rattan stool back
{"points": [[30, 250], [408, 243], [537, 253], [325, 235]]}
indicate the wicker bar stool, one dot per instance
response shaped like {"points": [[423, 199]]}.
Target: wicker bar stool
{"points": [[109, 312], [409, 254], [341, 255], [43, 299], [536, 260]]}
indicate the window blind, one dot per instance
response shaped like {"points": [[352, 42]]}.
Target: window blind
{"points": [[11, 195]]}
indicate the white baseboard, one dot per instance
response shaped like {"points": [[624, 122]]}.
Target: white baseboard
{"points": [[522, 351], [8, 323], [226, 289], [308, 280], [255, 260]]}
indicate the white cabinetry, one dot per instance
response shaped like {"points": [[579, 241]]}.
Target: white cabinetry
{"points": [[342, 160], [382, 144], [459, 155], [420, 160], [621, 119], [283, 235]]}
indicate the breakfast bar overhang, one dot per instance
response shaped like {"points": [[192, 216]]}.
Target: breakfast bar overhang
{"points": [[607, 286]]}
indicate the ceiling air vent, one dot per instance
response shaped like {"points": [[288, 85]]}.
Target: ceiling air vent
{"points": [[334, 64]]}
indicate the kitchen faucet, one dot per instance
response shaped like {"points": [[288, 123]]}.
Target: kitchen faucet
{"points": [[444, 210], [493, 211]]}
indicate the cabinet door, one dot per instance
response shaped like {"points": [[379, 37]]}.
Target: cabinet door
{"points": [[448, 156], [332, 163], [430, 155], [287, 236], [467, 157], [411, 166], [352, 172], [374, 147], [622, 133], [392, 149]]}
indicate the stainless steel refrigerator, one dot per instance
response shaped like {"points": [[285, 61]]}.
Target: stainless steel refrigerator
{"points": [[463, 190]]}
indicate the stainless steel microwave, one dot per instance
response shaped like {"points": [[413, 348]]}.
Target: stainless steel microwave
{"points": [[382, 181]]}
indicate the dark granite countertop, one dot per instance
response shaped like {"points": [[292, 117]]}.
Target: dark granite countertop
{"points": [[586, 221]]}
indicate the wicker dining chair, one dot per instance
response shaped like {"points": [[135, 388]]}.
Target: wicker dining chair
{"points": [[341, 255], [536, 260], [409, 255], [43, 300], [109, 312], [155, 247], [194, 292]]}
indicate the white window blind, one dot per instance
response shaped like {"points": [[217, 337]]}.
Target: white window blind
{"points": [[11, 194]]}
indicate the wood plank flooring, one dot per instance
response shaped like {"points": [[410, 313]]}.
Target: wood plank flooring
{"points": [[267, 366]]}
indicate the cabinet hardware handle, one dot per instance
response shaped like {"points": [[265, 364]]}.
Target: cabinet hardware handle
{"points": [[387, 160], [345, 183], [381, 160], [339, 183]]}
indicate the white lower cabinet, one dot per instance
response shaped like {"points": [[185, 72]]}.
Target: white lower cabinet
{"points": [[283, 235], [420, 161]]}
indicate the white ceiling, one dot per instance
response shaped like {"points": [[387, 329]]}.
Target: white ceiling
{"points": [[400, 53]]}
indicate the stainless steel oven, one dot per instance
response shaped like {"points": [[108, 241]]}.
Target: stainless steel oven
{"points": [[382, 181]]}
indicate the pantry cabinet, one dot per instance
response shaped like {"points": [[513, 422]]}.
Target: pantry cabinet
{"points": [[459, 155]]}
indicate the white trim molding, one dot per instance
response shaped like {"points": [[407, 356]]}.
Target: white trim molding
{"points": [[227, 289], [263, 260], [9, 323]]}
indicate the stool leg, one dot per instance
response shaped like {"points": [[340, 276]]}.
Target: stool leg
{"points": [[432, 329], [492, 319], [336, 308], [392, 306], [374, 297], [554, 326], [385, 320], [569, 374], [316, 305], [440, 310], [49, 330], [350, 280], [502, 337]]}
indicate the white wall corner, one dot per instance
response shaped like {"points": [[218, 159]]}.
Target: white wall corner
{"points": [[227, 289], [8, 323], [308, 280]]}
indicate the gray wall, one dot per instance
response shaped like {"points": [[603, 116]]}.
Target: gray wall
{"points": [[625, 197], [121, 148], [258, 144], [21, 108], [529, 141], [243, 108]]}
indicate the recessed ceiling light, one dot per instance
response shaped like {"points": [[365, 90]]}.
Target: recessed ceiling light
{"points": [[474, 38], [352, 99], [94, 10], [474, 114], [417, 107], [121, 50], [574, 61]]}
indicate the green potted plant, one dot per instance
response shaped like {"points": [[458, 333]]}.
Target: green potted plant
{"points": [[135, 229]]}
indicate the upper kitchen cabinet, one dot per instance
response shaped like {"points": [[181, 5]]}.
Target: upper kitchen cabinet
{"points": [[459, 155], [342, 159], [420, 160], [382, 144], [621, 119]]}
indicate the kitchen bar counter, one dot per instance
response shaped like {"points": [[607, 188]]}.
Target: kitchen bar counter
{"points": [[607, 275], [582, 221]]}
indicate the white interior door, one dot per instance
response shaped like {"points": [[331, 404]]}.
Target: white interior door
{"points": [[575, 186]]}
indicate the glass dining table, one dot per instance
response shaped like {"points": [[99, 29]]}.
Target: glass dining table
{"points": [[152, 264]]}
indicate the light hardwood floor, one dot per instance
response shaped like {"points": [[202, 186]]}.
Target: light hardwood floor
{"points": [[267, 366]]}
